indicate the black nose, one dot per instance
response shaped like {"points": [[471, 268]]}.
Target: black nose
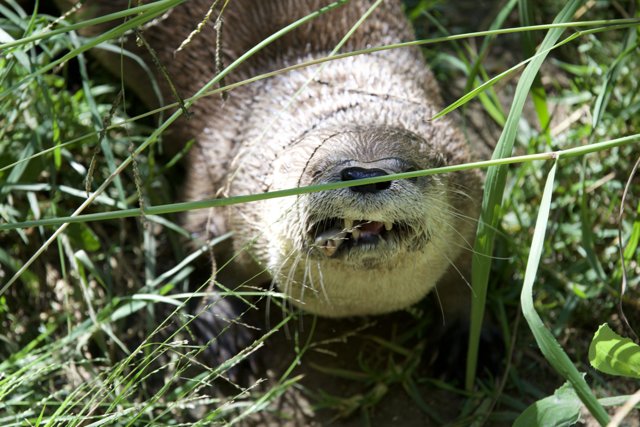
{"points": [[349, 174]]}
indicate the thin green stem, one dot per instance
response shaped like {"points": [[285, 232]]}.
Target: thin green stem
{"points": [[227, 201], [613, 24]]}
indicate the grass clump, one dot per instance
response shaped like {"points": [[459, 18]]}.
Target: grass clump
{"points": [[71, 325]]}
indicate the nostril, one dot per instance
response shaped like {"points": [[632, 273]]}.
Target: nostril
{"points": [[353, 173]]}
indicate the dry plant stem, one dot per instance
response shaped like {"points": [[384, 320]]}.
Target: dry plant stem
{"points": [[165, 74], [218, 56], [624, 410], [138, 183], [106, 123], [623, 282], [201, 25]]}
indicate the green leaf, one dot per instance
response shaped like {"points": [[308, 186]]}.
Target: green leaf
{"points": [[612, 354], [632, 244], [547, 343], [85, 260], [84, 237], [560, 409]]}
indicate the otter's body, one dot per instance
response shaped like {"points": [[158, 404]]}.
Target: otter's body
{"points": [[364, 250]]}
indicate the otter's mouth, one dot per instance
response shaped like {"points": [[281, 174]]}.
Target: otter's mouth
{"points": [[334, 236]]}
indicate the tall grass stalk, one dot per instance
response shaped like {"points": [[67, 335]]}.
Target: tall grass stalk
{"points": [[605, 25], [545, 339], [494, 193], [233, 200]]}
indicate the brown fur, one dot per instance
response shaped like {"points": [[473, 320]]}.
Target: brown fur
{"points": [[357, 111]]}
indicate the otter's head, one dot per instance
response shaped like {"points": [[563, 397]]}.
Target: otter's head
{"points": [[366, 249]]}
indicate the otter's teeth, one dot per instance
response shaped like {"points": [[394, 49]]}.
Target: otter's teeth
{"points": [[329, 241], [348, 224], [330, 247], [388, 226]]}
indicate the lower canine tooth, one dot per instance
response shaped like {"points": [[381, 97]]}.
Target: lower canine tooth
{"points": [[329, 241], [355, 234], [330, 248], [388, 226]]}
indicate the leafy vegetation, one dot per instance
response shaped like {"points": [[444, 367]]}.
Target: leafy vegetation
{"points": [[99, 327]]}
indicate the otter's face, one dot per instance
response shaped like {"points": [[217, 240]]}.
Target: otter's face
{"points": [[366, 249], [371, 226]]}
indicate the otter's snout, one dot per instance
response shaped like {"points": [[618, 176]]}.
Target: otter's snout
{"points": [[353, 173]]}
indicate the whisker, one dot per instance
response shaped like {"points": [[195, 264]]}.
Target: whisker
{"points": [[440, 306], [322, 288]]}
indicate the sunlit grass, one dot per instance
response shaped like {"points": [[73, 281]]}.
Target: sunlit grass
{"points": [[76, 347]]}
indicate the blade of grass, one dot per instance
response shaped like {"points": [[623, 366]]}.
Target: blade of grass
{"points": [[486, 43], [550, 348], [490, 99], [599, 107], [542, 53], [538, 94], [202, 204], [494, 192], [610, 25], [91, 22], [138, 20]]}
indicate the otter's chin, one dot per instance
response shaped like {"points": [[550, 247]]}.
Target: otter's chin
{"points": [[378, 270], [365, 285]]}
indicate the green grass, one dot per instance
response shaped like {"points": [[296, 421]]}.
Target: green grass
{"points": [[95, 329]]}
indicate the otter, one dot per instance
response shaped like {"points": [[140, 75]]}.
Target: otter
{"points": [[343, 254], [362, 250]]}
